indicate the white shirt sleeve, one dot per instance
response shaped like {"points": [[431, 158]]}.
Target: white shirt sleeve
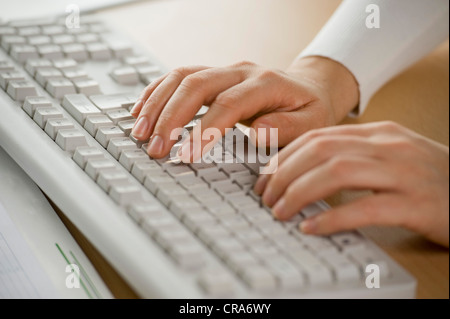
{"points": [[408, 30]]}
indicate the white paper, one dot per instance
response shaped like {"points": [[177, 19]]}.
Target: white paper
{"points": [[21, 276]]}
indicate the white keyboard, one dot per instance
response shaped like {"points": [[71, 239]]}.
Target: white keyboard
{"points": [[171, 230]]}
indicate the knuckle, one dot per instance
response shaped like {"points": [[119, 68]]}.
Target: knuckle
{"points": [[180, 72], [244, 64], [320, 145], [390, 126], [227, 101], [339, 166], [268, 74], [193, 83]]}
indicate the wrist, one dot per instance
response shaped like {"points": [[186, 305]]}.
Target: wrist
{"points": [[332, 77]]}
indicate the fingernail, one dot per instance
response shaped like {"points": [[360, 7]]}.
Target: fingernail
{"points": [[156, 145], [135, 107], [267, 197], [260, 184], [184, 152], [279, 209], [140, 128], [308, 226]]}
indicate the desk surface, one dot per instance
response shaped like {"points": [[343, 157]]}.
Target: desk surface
{"points": [[272, 33]]}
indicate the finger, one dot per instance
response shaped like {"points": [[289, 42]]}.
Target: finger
{"points": [[145, 95], [380, 209], [362, 130], [266, 92], [239, 102], [313, 154], [157, 99], [342, 172], [194, 91], [290, 125]]}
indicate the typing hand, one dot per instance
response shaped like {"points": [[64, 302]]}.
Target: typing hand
{"points": [[408, 174], [294, 101]]}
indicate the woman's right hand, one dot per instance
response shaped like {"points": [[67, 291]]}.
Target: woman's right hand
{"points": [[315, 92]]}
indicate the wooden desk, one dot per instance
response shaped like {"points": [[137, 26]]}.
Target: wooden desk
{"points": [[272, 33]]}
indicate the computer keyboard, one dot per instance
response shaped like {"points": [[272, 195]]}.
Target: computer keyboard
{"points": [[171, 230]]}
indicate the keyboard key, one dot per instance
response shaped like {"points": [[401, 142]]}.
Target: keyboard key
{"points": [[58, 88], [53, 29], [76, 51], [87, 38], [70, 139], [287, 274], [98, 51], [10, 40], [75, 74], [95, 166], [367, 256], [94, 122], [187, 255], [112, 101], [180, 172], [168, 239], [208, 197], [87, 87], [153, 182], [143, 168], [43, 114], [43, 75], [33, 65], [118, 144], [126, 126], [136, 61], [119, 115], [19, 90], [193, 183], [53, 125], [240, 260], [343, 268], [5, 77], [37, 40], [182, 205], [62, 39], [50, 51], [140, 212], [107, 179], [216, 281], [125, 75], [129, 157], [84, 154], [120, 49], [5, 30], [33, 102], [259, 278], [224, 247], [64, 64], [197, 217], [209, 234], [158, 223], [246, 182], [317, 273], [28, 31], [202, 169], [22, 52], [125, 195], [79, 106], [349, 241], [6, 66], [167, 194], [105, 133]]}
